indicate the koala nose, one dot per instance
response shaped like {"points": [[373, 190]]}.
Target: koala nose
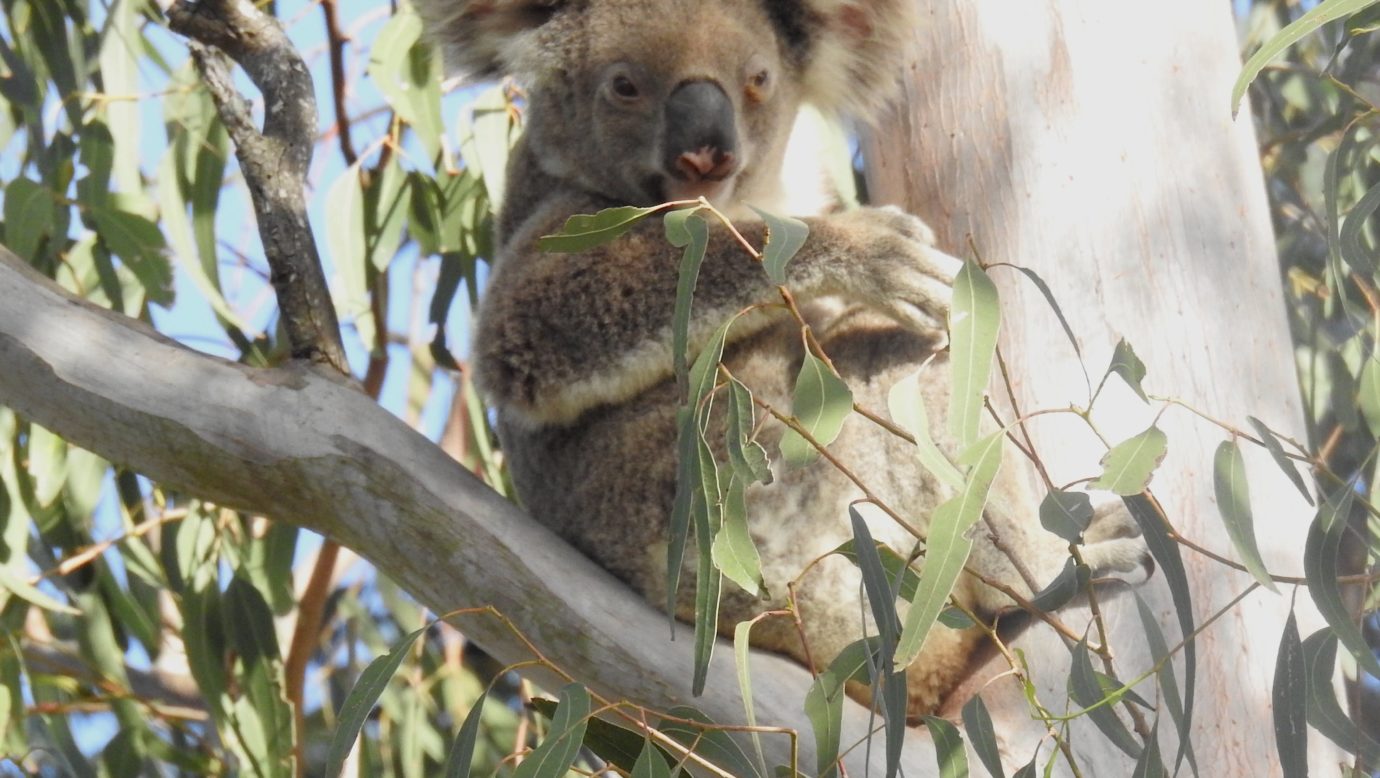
{"points": [[700, 133]]}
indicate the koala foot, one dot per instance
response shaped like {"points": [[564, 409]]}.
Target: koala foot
{"points": [[902, 273], [1113, 548]]}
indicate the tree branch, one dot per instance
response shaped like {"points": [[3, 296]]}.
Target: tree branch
{"points": [[275, 161], [304, 447]]}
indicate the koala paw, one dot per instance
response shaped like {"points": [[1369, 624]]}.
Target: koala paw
{"points": [[1113, 547], [897, 269]]}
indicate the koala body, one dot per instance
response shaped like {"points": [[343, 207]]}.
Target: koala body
{"points": [[637, 102]]}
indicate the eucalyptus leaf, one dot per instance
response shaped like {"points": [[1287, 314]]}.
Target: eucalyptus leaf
{"points": [[785, 236], [585, 231], [821, 403], [1234, 503], [974, 318], [1128, 466]]}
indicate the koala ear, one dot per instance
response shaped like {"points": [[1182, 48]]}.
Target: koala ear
{"points": [[856, 53], [484, 38]]}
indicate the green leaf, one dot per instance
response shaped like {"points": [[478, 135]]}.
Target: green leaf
{"points": [[821, 403], [1368, 394], [1058, 312], [1071, 581], [1151, 764], [824, 702], [554, 755], [1321, 565], [584, 231], [361, 700], [894, 563], [708, 580], [1324, 714], [1087, 691], [1169, 685], [249, 622], [974, 318], [888, 682], [385, 209], [28, 216], [747, 456], [948, 747], [651, 764], [408, 77], [785, 236], [906, 403], [741, 659], [1127, 468], [1234, 503], [1353, 251], [983, 736], [1170, 562], [685, 229], [715, 745], [1066, 514], [1126, 364], [349, 253], [1290, 697], [487, 134], [98, 156], [1327, 11], [1272, 445], [734, 552], [141, 246], [948, 546], [13, 582]]}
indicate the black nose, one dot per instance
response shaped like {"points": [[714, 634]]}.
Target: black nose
{"points": [[700, 134]]}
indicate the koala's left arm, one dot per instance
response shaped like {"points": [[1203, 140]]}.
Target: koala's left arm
{"points": [[561, 333]]}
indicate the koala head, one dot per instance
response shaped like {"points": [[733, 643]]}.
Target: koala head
{"points": [[643, 101]]}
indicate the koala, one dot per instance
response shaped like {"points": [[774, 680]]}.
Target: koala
{"points": [[639, 102]]}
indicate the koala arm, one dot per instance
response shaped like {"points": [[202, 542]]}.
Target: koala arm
{"points": [[604, 335]]}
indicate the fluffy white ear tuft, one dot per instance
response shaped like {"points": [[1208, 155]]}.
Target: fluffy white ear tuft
{"points": [[484, 38], [857, 54]]}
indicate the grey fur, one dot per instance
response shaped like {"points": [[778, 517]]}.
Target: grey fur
{"points": [[574, 350]]}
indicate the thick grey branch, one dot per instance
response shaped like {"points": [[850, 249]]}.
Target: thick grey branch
{"points": [[275, 161], [301, 447]]}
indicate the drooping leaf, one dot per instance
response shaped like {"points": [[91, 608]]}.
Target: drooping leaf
{"points": [[974, 318], [824, 701], [554, 755], [948, 546], [1071, 581], [1321, 563], [461, 754], [982, 735], [1059, 312], [1087, 691], [948, 747], [1324, 12], [1368, 393], [1272, 445], [713, 744], [1169, 685], [741, 658], [1324, 713], [1170, 562], [1234, 503], [1290, 697], [894, 564], [28, 216], [785, 236], [906, 403], [1349, 241], [651, 764], [1151, 764], [888, 681], [747, 456], [685, 229], [734, 552], [361, 700], [407, 77], [1128, 466], [349, 253], [141, 246], [14, 583], [1126, 364], [585, 231], [1066, 514], [821, 403], [706, 513]]}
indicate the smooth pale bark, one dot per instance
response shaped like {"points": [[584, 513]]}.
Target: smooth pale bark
{"points": [[1092, 141], [301, 447]]}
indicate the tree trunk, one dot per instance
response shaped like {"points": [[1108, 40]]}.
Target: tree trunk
{"points": [[1092, 141]]}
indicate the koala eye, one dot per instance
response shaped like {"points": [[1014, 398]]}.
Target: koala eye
{"points": [[758, 85], [625, 88]]}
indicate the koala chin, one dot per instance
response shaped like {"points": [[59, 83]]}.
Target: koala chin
{"points": [[635, 102]]}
